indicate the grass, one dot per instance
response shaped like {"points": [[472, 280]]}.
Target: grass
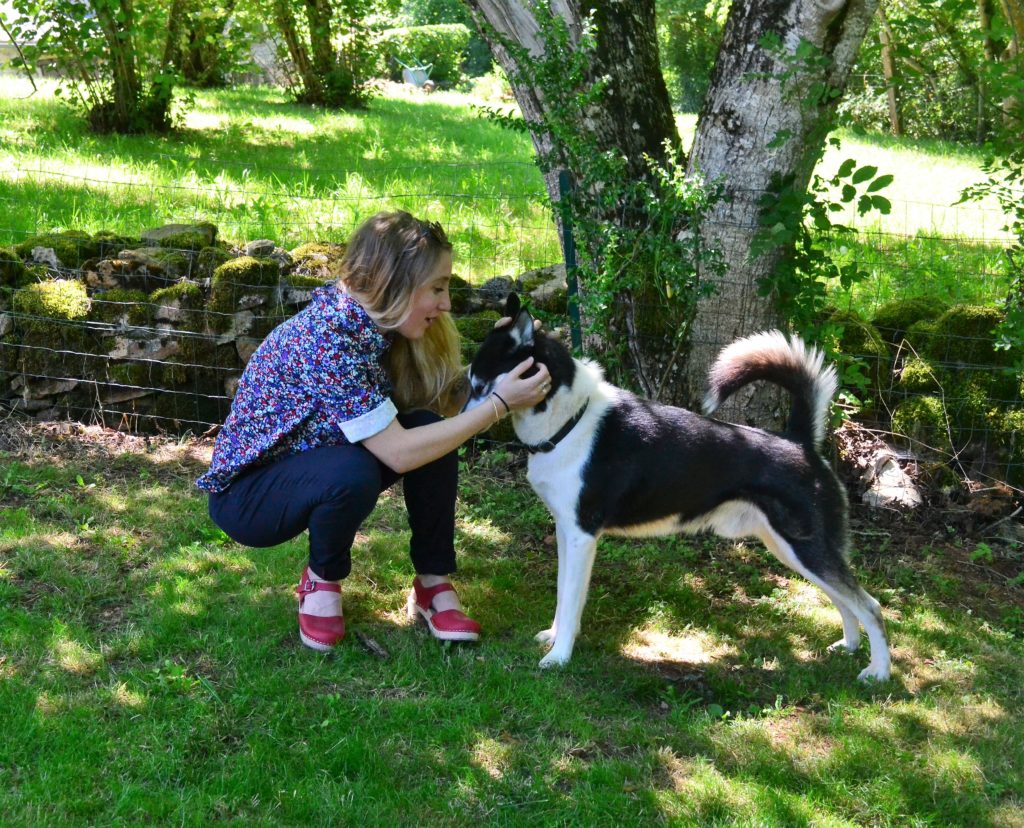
{"points": [[150, 671], [260, 166]]}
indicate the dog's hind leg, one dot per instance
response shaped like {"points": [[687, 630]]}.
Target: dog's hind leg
{"points": [[853, 603], [577, 560], [548, 636]]}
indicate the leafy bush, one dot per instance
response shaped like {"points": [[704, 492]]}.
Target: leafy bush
{"points": [[443, 45]]}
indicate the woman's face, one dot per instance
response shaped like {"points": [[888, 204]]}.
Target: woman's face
{"points": [[430, 299]]}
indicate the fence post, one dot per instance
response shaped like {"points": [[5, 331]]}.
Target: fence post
{"points": [[569, 249]]}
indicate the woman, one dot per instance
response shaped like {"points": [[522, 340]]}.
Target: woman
{"points": [[341, 401]]}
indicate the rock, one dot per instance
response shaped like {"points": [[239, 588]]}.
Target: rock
{"points": [[46, 256], [206, 232], [888, 484], [260, 248], [494, 291]]}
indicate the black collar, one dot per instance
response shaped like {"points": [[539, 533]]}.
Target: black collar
{"points": [[563, 432]]}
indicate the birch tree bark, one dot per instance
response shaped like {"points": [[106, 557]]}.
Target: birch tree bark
{"points": [[752, 129]]}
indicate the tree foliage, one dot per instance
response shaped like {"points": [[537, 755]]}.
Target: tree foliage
{"points": [[113, 57]]}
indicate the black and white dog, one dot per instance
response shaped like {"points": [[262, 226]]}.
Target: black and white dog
{"points": [[607, 461]]}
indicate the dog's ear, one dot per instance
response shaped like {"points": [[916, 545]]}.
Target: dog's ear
{"points": [[522, 327], [512, 305]]}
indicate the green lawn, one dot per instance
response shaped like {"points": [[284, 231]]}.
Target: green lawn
{"points": [[150, 671]]}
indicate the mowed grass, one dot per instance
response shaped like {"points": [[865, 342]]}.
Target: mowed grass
{"points": [[150, 671], [260, 166]]}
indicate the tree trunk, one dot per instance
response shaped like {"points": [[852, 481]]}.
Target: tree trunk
{"points": [[312, 90], [752, 130], [889, 72], [634, 119], [738, 144]]}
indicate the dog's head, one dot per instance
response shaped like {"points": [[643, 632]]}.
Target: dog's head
{"points": [[505, 347]]}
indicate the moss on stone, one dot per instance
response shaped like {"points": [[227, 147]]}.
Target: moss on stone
{"points": [[13, 272], [474, 329], [110, 243], [919, 376], [244, 276], [921, 418], [209, 259], [964, 335], [185, 241], [64, 299], [318, 253], [460, 292], [72, 247], [112, 306], [300, 280], [893, 319]]}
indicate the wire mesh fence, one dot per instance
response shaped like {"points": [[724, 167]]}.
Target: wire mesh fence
{"points": [[145, 319]]}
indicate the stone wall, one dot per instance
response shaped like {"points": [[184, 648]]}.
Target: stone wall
{"points": [[152, 333]]}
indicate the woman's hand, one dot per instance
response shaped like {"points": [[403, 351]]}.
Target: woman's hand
{"points": [[518, 392]]}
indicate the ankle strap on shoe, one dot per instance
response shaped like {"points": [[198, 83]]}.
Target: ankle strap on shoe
{"points": [[308, 585], [425, 595]]}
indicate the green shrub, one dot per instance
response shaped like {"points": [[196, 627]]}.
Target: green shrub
{"points": [[64, 299], [72, 247], [444, 45]]}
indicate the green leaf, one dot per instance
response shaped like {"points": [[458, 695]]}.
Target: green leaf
{"points": [[864, 174], [882, 204], [846, 168], [849, 192], [879, 183]]}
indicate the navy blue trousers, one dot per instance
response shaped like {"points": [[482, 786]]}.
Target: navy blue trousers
{"points": [[330, 491]]}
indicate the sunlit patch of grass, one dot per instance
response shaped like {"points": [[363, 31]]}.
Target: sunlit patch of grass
{"points": [[695, 647]]}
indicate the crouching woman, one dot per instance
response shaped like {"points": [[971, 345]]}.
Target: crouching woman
{"points": [[359, 389]]}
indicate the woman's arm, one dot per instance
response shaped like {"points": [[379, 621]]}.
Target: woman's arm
{"points": [[404, 449]]}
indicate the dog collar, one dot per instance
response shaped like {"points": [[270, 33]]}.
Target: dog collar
{"points": [[549, 445]]}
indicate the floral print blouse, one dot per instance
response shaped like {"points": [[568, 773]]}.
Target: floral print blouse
{"points": [[316, 380]]}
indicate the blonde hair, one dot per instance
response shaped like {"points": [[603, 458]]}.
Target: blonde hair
{"points": [[388, 258]]}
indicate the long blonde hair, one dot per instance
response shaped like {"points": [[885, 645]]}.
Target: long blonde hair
{"points": [[389, 256]]}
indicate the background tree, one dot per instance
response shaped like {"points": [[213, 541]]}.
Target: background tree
{"points": [[115, 59], [778, 75], [328, 45]]}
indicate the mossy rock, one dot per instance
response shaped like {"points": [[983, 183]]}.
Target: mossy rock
{"points": [[185, 241], [174, 263], [306, 282], [244, 276], [110, 243], [313, 255], [1009, 427], [963, 335], [919, 376], [184, 291], [113, 306], [475, 328], [893, 319], [13, 272], [52, 347], [72, 247], [131, 373], [209, 259], [64, 299], [922, 419], [460, 292]]}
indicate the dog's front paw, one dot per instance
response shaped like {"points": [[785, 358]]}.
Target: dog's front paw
{"points": [[872, 674], [553, 659], [545, 636], [844, 645]]}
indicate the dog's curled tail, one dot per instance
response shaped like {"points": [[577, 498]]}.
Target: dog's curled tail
{"points": [[798, 368]]}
